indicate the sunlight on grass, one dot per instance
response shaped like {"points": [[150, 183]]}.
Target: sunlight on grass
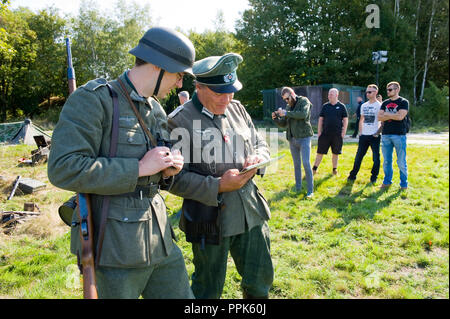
{"points": [[349, 241]]}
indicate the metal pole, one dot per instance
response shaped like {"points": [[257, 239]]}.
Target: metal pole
{"points": [[377, 73]]}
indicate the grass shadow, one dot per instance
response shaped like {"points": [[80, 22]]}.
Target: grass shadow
{"points": [[352, 205], [292, 193]]}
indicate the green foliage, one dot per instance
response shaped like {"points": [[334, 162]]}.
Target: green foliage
{"points": [[283, 42], [15, 62], [32, 52], [435, 105], [298, 43], [101, 41], [208, 43], [432, 114], [47, 78]]}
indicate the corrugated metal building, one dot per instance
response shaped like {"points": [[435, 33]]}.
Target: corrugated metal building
{"points": [[317, 94]]}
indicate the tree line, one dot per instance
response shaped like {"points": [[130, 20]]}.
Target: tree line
{"points": [[283, 43]]}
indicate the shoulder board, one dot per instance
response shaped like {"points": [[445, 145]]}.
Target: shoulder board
{"points": [[155, 104], [95, 84], [176, 111], [237, 104]]}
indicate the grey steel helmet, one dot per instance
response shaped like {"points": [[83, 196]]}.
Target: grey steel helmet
{"points": [[166, 48]]}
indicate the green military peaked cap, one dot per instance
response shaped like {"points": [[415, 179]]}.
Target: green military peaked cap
{"points": [[219, 72]]}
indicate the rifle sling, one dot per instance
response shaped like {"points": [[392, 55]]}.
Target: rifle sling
{"points": [[112, 153]]}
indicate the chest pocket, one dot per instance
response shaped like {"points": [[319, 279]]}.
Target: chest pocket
{"points": [[131, 142]]}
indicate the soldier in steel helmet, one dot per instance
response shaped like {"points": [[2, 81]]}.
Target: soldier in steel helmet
{"points": [[222, 211], [135, 252]]}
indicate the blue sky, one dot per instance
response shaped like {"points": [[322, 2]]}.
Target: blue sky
{"points": [[197, 15]]}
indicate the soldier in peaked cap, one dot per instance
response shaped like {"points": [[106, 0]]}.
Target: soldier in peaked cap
{"points": [[222, 211], [135, 253]]}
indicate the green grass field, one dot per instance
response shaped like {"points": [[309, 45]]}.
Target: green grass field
{"points": [[349, 241]]}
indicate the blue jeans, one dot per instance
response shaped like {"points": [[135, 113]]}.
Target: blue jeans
{"points": [[301, 150], [388, 143]]}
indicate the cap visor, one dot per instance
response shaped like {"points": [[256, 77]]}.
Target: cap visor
{"points": [[231, 88]]}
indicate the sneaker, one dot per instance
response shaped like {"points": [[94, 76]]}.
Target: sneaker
{"points": [[350, 179], [309, 196], [314, 171], [382, 186], [334, 171], [404, 188]]}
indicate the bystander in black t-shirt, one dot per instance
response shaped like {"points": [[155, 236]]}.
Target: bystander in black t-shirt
{"points": [[392, 127], [332, 118]]}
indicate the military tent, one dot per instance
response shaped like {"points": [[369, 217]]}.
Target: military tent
{"points": [[21, 132]]}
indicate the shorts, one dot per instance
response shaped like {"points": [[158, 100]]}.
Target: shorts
{"points": [[325, 141]]}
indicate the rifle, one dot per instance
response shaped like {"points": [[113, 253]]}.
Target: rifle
{"points": [[84, 213], [87, 245], [70, 70]]}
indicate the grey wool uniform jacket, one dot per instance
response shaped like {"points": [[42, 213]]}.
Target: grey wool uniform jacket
{"points": [[211, 145], [137, 230], [297, 119]]}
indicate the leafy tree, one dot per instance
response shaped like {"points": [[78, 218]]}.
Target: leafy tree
{"points": [[15, 61], [49, 78], [101, 42], [207, 43], [299, 42]]}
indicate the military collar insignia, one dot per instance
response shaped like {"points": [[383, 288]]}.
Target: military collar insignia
{"points": [[199, 106], [134, 95], [208, 113]]}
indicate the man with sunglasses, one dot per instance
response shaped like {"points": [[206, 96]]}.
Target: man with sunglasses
{"points": [[369, 134], [296, 119], [393, 113]]}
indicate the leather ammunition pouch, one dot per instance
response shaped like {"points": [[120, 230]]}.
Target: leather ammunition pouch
{"points": [[202, 223]]}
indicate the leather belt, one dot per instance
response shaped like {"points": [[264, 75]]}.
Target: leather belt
{"points": [[143, 191]]}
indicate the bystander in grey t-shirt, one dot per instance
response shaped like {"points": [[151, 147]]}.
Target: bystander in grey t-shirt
{"points": [[370, 112]]}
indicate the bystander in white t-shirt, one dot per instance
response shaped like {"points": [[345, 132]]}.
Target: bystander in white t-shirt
{"points": [[370, 112]]}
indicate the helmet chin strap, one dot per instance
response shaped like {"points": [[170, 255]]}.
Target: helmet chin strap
{"points": [[158, 82]]}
